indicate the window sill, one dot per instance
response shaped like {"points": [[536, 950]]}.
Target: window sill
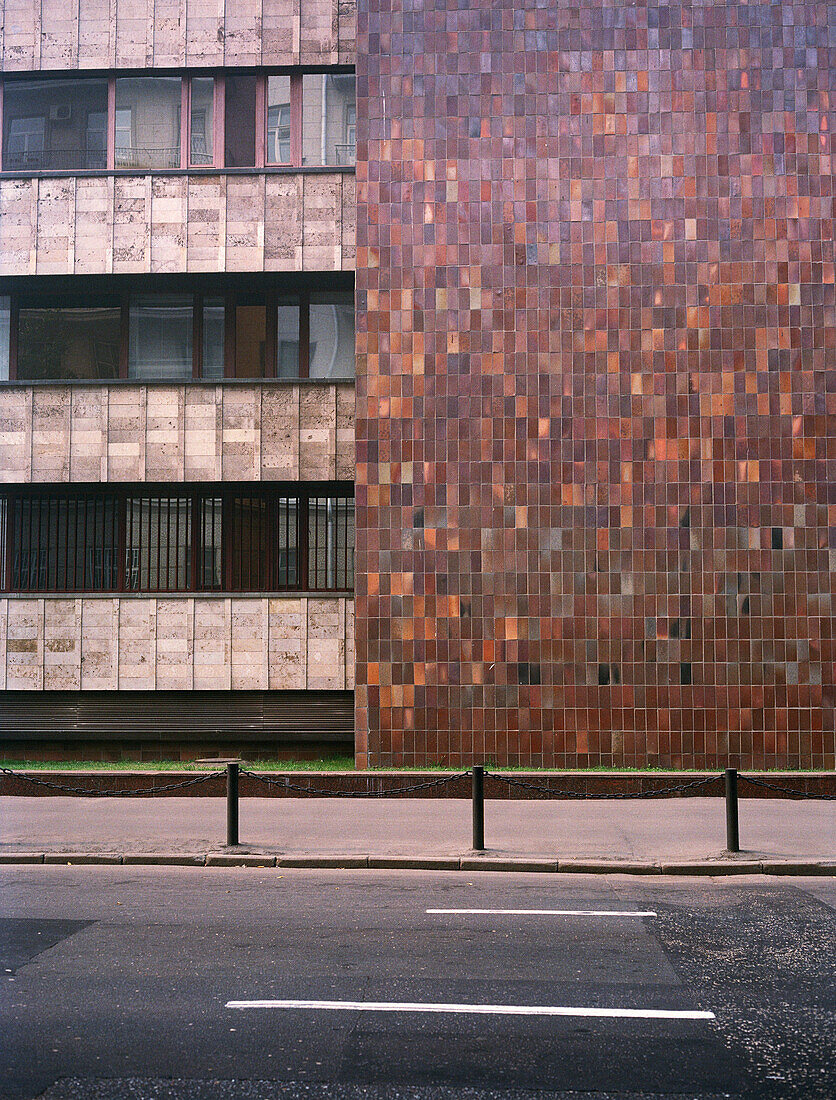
{"points": [[268, 170], [23, 383]]}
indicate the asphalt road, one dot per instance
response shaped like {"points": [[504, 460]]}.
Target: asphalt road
{"points": [[117, 983]]}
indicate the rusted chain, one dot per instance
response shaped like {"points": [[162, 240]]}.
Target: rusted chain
{"points": [[783, 790], [286, 785], [580, 795], [160, 789]]}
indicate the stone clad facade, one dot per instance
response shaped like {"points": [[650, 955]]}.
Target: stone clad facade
{"points": [[596, 387]]}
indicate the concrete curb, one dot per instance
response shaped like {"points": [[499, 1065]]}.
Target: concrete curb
{"points": [[468, 863]]}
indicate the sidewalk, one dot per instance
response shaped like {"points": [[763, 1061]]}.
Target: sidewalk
{"points": [[641, 836]]}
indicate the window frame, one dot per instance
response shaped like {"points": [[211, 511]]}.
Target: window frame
{"points": [[187, 78], [192, 497]]}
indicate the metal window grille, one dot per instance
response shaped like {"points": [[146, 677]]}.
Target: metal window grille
{"points": [[200, 541]]}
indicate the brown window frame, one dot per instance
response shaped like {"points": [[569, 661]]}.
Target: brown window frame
{"points": [[187, 503], [187, 77]]}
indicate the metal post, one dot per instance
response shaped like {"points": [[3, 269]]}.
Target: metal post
{"points": [[232, 803], [478, 808], [732, 830]]}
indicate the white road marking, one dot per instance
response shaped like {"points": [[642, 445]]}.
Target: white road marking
{"points": [[482, 1010], [548, 912]]}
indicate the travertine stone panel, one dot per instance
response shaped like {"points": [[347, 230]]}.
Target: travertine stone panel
{"points": [[96, 35], [137, 644], [65, 34], [94, 198], [51, 434], [283, 223], [169, 42], [241, 438], [319, 34], [104, 224], [287, 642], [126, 432], [169, 433], [321, 216], [249, 644], [346, 462], [16, 435], [88, 433], [59, 34], [18, 226], [100, 651], [134, 34], [212, 644], [169, 213], [206, 219], [202, 436], [131, 218], [165, 426], [62, 645], [326, 645], [25, 645], [317, 434], [175, 644], [280, 433], [245, 223]]}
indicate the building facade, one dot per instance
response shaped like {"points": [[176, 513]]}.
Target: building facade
{"points": [[595, 388]]}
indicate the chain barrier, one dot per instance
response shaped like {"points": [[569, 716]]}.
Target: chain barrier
{"points": [[784, 790], [159, 789], [556, 792], [286, 785]]}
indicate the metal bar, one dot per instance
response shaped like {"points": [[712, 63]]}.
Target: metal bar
{"points": [[732, 824], [231, 803], [478, 808]]}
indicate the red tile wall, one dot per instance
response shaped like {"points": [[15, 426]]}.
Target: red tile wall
{"points": [[596, 446]]}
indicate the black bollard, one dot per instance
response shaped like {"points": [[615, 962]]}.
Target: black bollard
{"points": [[478, 808], [732, 829], [231, 803]]}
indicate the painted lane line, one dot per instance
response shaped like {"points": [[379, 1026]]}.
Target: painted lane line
{"points": [[547, 912], [481, 1010]]}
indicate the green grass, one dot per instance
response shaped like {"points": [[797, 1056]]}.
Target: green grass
{"points": [[328, 764]]}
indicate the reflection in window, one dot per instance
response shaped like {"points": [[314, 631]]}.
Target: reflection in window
{"points": [[329, 118], [202, 120], [213, 337], [64, 544], [148, 122], [211, 544], [332, 335], [278, 120], [287, 348], [5, 330], [54, 124], [160, 344], [157, 544], [60, 343], [330, 543]]}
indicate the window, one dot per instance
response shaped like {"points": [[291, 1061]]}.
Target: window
{"points": [[212, 334], [278, 120], [202, 121], [148, 122], [54, 124], [239, 121], [332, 336], [73, 341], [161, 330], [244, 539], [329, 118]]}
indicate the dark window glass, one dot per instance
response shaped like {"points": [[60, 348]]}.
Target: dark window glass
{"points": [[161, 332], [148, 122], [329, 118], [250, 341], [332, 335], [64, 544], [54, 124], [210, 563], [157, 544], [287, 349], [68, 342], [250, 544], [202, 122], [214, 328], [330, 543], [239, 121], [5, 330], [278, 120]]}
